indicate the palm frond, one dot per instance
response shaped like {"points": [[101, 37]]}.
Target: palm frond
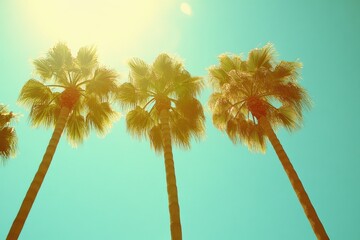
{"points": [[44, 114], [246, 132], [76, 128], [220, 120], [292, 94], [228, 63], [186, 121], [87, 60], [43, 68], [256, 138], [129, 96], [183, 129], [180, 131], [5, 116], [164, 65], [8, 138], [218, 77], [285, 116], [60, 60], [100, 115], [139, 73], [287, 71], [262, 57], [103, 83], [139, 122], [59, 57], [155, 138], [185, 85], [190, 108], [8, 142], [219, 103], [164, 71], [34, 92]]}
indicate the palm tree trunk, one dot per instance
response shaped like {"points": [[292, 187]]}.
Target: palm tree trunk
{"points": [[39, 176], [174, 209], [304, 199]]}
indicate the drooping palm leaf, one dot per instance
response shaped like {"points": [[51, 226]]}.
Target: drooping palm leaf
{"points": [[103, 82], [8, 137], [34, 92], [76, 129], [139, 122]]}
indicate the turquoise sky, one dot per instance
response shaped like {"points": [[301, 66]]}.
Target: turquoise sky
{"points": [[114, 188]]}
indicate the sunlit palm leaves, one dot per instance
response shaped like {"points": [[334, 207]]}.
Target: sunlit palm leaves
{"points": [[73, 95], [8, 138], [164, 83], [76, 82], [259, 85]]}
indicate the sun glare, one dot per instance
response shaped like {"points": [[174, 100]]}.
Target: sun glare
{"points": [[186, 8], [109, 23]]}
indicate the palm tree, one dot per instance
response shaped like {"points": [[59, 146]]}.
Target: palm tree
{"points": [[73, 95], [8, 138], [164, 109], [254, 97]]}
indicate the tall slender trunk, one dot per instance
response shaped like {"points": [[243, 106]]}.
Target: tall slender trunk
{"points": [[33, 190], [304, 199], [174, 209]]}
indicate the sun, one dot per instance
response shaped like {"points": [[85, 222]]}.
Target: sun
{"points": [[105, 23], [186, 8]]}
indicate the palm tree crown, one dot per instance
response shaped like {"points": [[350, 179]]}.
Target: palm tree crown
{"points": [[245, 90], [164, 85], [8, 138], [77, 83]]}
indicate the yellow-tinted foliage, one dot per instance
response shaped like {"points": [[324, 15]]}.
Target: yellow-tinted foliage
{"points": [[163, 84], [259, 85], [8, 138], [91, 89]]}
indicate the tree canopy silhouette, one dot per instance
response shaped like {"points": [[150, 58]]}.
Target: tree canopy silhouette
{"points": [[254, 96], [72, 94], [164, 109]]}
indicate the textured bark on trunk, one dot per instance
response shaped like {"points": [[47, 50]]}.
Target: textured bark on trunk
{"points": [[304, 199], [39, 176], [174, 209]]}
